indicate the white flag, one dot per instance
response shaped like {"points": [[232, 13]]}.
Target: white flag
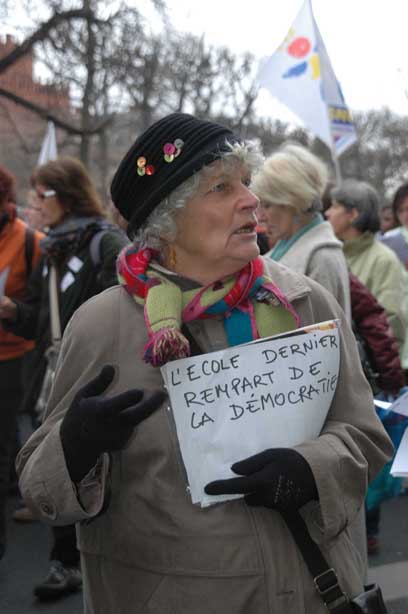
{"points": [[49, 146], [300, 75]]}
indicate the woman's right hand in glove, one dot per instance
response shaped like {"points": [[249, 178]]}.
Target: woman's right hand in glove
{"points": [[94, 425]]}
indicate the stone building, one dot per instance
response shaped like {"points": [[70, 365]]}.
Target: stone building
{"points": [[21, 130]]}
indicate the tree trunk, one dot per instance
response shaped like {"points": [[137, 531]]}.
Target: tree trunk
{"points": [[104, 164], [89, 87]]}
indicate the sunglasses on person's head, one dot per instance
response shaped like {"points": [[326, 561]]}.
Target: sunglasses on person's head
{"points": [[46, 194]]}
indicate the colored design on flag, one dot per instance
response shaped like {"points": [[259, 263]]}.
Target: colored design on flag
{"points": [[340, 116], [301, 76], [300, 47]]}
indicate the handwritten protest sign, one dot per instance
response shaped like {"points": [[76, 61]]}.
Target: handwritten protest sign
{"points": [[230, 404]]}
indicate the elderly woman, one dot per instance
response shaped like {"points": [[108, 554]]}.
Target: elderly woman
{"points": [[290, 187], [354, 215], [193, 282]]}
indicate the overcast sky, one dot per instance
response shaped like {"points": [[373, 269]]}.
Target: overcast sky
{"points": [[366, 41]]}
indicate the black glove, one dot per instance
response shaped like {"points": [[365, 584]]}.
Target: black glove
{"points": [[93, 425], [279, 478]]}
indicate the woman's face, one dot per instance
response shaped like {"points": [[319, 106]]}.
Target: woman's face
{"points": [[216, 230], [341, 219], [279, 221], [402, 213], [52, 210], [387, 219]]}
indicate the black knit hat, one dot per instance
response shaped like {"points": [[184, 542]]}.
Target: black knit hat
{"points": [[164, 156]]}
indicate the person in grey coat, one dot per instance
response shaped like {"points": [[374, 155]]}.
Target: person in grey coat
{"points": [[107, 455], [290, 186]]}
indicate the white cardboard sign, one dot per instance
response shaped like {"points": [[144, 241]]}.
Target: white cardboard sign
{"points": [[399, 406], [399, 467], [230, 404]]}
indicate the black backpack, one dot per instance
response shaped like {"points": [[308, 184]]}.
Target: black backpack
{"points": [[29, 251]]}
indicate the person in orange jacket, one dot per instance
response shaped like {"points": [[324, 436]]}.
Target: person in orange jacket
{"points": [[19, 253]]}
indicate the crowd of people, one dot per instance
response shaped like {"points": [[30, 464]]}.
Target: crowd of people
{"points": [[81, 246], [95, 314]]}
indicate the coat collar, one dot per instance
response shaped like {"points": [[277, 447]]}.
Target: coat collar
{"points": [[292, 284], [355, 247]]}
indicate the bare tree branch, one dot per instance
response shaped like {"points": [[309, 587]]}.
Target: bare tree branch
{"points": [[46, 114], [41, 34]]}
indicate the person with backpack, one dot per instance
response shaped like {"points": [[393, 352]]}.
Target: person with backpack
{"points": [[19, 252], [80, 253]]}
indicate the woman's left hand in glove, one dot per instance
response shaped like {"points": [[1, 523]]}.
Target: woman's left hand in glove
{"points": [[279, 478]]}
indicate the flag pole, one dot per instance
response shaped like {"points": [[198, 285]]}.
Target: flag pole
{"points": [[299, 73], [334, 156], [337, 167]]}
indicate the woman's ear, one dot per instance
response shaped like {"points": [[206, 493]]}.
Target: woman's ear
{"points": [[169, 256], [353, 214], [172, 260]]}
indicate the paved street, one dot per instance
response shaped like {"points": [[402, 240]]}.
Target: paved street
{"points": [[390, 567], [26, 563]]}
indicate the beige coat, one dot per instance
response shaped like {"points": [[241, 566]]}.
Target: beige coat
{"points": [[151, 551], [319, 255], [379, 269]]}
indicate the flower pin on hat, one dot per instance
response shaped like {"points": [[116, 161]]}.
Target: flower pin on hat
{"points": [[172, 150], [142, 168]]}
